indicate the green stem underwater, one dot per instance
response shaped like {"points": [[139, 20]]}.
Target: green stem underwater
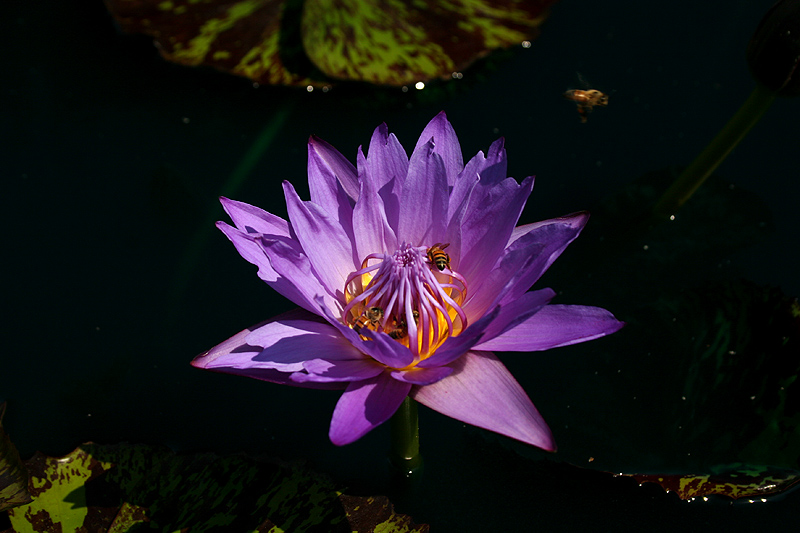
{"points": [[717, 150], [404, 454]]}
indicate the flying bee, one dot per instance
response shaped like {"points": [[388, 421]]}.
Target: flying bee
{"points": [[370, 319], [586, 100], [437, 256], [400, 327]]}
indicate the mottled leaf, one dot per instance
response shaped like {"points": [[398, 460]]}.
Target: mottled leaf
{"points": [[114, 488], [311, 42], [13, 476], [396, 42], [752, 482]]}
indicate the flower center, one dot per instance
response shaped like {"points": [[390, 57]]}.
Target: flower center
{"points": [[412, 295]]}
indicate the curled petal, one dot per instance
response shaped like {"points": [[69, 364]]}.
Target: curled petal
{"points": [[482, 392], [365, 405], [554, 326]]}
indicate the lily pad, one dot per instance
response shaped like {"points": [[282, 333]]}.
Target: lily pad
{"points": [[313, 42], [13, 476], [755, 482], [128, 487]]}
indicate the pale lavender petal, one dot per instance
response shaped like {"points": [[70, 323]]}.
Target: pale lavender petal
{"points": [[365, 405], [553, 326], [251, 219], [483, 393], [343, 169], [327, 191], [488, 226], [423, 204], [457, 208], [445, 143], [324, 370], [422, 376], [371, 229], [324, 241]]}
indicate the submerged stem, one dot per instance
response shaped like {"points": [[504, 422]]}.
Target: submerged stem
{"points": [[717, 150], [404, 453]]}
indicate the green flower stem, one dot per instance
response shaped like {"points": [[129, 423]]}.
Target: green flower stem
{"points": [[404, 453], [718, 149]]}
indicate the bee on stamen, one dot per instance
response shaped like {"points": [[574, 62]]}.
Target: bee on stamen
{"points": [[369, 319], [437, 256], [399, 327]]}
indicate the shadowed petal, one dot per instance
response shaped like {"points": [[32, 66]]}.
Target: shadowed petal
{"points": [[445, 143], [324, 241], [553, 326], [482, 392], [365, 405], [251, 219], [423, 204], [250, 248]]}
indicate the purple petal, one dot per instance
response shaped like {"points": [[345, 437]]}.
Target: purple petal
{"points": [[251, 219], [482, 392], [371, 228], [423, 204], [455, 347], [325, 370], [422, 376], [487, 226], [365, 405], [324, 241], [338, 165], [445, 143], [553, 326]]}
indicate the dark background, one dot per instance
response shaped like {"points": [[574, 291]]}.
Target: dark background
{"points": [[114, 278]]}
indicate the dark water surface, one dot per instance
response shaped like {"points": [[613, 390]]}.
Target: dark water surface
{"points": [[114, 277]]}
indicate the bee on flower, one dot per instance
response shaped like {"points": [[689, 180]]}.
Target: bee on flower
{"points": [[384, 313]]}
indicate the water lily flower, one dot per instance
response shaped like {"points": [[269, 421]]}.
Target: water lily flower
{"points": [[408, 274]]}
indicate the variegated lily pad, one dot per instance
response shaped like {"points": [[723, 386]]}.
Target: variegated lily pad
{"points": [[312, 42], [112, 488], [753, 482]]}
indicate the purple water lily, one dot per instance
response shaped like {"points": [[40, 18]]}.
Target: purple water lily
{"points": [[408, 274]]}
